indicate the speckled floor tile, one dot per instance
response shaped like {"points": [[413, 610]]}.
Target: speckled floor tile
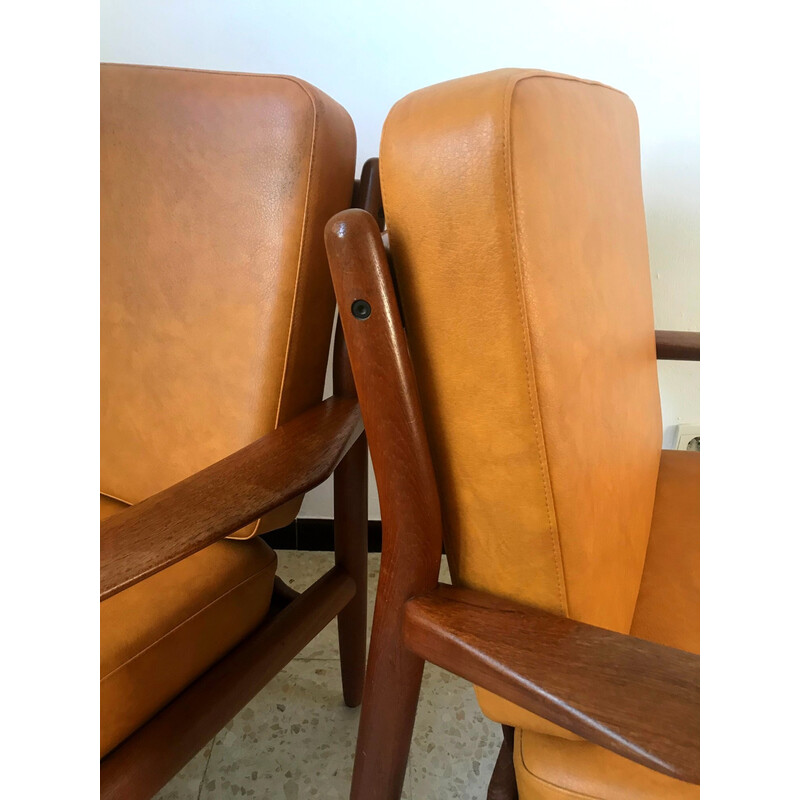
{"points": [[296, 738], [186, 784], [454, 747]]}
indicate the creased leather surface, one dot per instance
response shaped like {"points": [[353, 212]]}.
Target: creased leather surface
{"points": [[513, 202], [216, 302]]}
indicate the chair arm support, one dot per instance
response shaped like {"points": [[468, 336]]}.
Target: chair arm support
{"points": [[637, 698], [678, 345], [215, 502]]}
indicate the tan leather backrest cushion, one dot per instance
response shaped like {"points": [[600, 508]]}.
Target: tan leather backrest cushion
{"points": [[216, 302], [514, 210]]}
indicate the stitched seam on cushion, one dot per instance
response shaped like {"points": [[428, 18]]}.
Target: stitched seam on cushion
{"points": [[301, 85], [114, 497], [530, 377], [571, 79], [303, 238], [189, 619], [562, 789], [446, 529], [156, 68], [303, 243]]}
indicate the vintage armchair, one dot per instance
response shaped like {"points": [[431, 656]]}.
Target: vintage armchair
{"points": [[510, 398], [216, 318]]}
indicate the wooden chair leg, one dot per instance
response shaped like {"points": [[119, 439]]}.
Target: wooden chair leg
{"points": [[394, 676], [503, 783], [350, 536]]}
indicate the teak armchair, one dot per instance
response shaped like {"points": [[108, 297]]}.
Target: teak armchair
{"points": [[510, 398], [217, 312]]}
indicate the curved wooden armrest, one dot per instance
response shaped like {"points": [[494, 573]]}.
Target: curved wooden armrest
{"points": [[678, 345], [215, 502], [637, 698]]}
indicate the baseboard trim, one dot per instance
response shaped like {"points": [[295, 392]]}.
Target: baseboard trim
{"points": [[317, 534]]}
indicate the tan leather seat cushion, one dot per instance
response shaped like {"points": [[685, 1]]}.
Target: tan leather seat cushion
{"points": [[552, 768], [162, 633]]}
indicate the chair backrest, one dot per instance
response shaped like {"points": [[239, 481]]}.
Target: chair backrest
{"points": [[216, 302], [514, 212]]}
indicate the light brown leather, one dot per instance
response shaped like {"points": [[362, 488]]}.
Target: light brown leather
{"points": [[216, 315], [216, 302], [514, 207], [110, 506], [552, 768], [162, 633], [668, 608]]}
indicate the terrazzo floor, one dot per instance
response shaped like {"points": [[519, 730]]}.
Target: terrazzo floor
{"points": [[296, 738]]}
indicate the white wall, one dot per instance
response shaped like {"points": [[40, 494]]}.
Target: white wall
{"points": [[368, 54]]}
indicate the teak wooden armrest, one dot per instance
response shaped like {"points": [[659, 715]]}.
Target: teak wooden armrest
{"points": [[637, 698], [678, 345], [215, 502]]}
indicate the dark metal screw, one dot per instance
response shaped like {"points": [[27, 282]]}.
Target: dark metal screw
{"points": [[361, 309]]}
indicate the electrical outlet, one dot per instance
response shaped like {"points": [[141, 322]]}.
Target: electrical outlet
{"points": [[687, 437]]}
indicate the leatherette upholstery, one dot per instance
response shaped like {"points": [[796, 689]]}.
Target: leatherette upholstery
{"points": [[216, 317], [514, 208], [159, 635], [216, 301]]}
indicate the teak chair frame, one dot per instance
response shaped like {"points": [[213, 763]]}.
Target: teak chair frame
{"points": [[206, 507], [634, 697]]}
